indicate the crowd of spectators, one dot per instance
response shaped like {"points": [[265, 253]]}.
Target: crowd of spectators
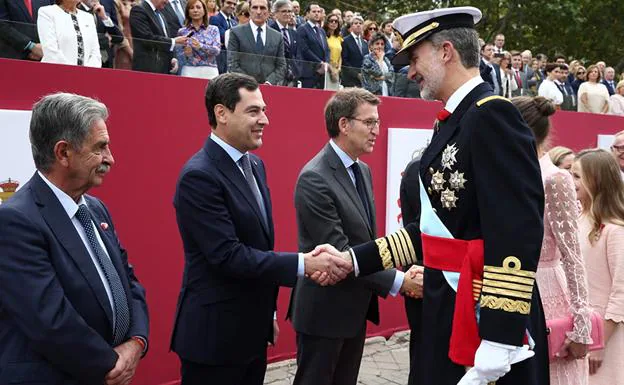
{"points": [[276, 43]]}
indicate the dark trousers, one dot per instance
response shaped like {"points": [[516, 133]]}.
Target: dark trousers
{"points": [[247, 373], [413, 309], [329, 361]]}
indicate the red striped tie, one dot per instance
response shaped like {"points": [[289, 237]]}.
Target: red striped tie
{"points": [[28, 4]]}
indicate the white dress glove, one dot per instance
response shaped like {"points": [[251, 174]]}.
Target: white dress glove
{"points": [[492, 361]]}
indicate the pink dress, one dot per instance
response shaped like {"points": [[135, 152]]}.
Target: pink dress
{"points": [[604, 261], [560, 273]]}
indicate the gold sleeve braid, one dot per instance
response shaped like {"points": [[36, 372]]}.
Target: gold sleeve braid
{"points": [[396, 249], [507, 288]]}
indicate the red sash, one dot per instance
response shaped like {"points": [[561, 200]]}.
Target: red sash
{"points": [[465, 258]]}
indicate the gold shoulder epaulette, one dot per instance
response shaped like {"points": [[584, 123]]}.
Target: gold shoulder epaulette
{"points": [[489, 98]]}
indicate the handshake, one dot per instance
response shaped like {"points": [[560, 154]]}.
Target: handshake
{"points": [[326, 265]]}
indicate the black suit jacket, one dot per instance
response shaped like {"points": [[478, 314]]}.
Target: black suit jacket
{"points": [[17, 27], [329, 210], [55, 316], [230, 284], [152, 46], [609, 88], [293, 64]]}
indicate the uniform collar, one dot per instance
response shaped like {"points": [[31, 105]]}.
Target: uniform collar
{"points": [[461, 93]]}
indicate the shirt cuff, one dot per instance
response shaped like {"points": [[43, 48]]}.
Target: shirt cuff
{"points": [[29, 46], [398, 282], [144, 344], [356, 268], [108, 22], [275, 316], [301, 266], [172, 45]]}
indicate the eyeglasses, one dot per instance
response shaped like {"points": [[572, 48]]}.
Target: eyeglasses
{"points": [[372, 29], [580, 73], [371, 124], [332, 21], [619, 149]]}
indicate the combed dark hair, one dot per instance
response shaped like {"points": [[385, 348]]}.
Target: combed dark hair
{"points": [[465, 41], [375, 38], [338, 26], [308, 7], [61, 116], [536, 111], [225, 90], [343, 105], [550, 67]]}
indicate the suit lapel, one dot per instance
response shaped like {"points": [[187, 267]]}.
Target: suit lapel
{"points": [[264, 191], [56, 217], [22, 6], [368, 184], [155, 19], [342, 176], [448, 128], [231, 171]]}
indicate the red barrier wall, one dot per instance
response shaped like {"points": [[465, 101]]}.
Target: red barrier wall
{"points": [[157, 122]]}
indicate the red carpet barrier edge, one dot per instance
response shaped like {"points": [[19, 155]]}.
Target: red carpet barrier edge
{"points": [[157, 122]]}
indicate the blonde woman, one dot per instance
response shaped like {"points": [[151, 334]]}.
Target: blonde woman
{"points": [[561, 157], [560, 275], [600, 190], [617, 100]]}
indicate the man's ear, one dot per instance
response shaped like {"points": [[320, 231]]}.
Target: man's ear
{"points": [[221, 113], [62, 152]]}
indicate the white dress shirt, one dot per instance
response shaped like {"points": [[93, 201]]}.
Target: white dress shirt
{"points": [[550, 91], [263, 31], [348, 162], [58, 37], [236, 155], [71, 208]]}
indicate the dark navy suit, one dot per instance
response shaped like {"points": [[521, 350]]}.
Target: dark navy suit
{"points": [[352, 57], [223, 26], [18, 27], [313, 50], [55, 316], [229, 289], [290, 53]]}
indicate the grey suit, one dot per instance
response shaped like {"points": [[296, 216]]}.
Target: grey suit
{"points": [[331, 321], [266, 66]]}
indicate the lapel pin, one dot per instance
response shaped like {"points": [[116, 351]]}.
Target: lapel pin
{"points": [[104, 226]]}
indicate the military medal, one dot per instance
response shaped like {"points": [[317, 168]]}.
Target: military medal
{"points": [[448, 156], [437, 181], [448, 199], [457, 180]]}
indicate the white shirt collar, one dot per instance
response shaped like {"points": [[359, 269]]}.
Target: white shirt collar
{"points": [[485, 61], [312, 24], [151, 5], [280, 26], [66, 201], [225, 16], [344, 157], [461, 93], [231, 151], [355, 36], [255, 26]]}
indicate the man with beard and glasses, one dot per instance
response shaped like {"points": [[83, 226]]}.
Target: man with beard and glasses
{"points": [[72, 310], [481, 224]]}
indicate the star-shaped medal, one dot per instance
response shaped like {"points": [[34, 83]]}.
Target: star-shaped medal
{"points": [[437, 181], [457, 180], [448, 156], [448, 199]]}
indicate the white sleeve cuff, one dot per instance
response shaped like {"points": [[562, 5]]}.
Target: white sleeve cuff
{"points": [[398, 282], [356, 268], [172, 45], [301, 266], [108, 22]]}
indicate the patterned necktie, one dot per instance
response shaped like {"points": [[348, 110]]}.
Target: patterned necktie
{"points": [[259, 44], [253, 185], [359, 43], [361, 190], [79, 41], [518, 78], [320, 37], [286, 39], [120, 300]]}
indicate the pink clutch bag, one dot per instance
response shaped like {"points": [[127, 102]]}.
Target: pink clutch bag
{"points": [[557, 329]]}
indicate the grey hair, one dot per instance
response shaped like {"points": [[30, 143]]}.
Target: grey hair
{"points": [[280, 4], [61, 116], [465, 41]]}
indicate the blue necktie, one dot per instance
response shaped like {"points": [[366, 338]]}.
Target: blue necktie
{"points": [[120, 300], [253, 185], [177, 8], [259, 44], [361, 190], [162, 22]]}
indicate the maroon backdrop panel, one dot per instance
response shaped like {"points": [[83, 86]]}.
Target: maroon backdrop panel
{"points": [[157, 122]]}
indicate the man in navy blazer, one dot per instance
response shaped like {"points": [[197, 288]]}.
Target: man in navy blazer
{"points": [[354, 48], [227, 304], [608, 81], [224, 20], [71, 309], [312, 49], [18, 29]]}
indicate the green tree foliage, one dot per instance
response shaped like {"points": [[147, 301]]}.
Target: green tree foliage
{"points": [[579, 29]]}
